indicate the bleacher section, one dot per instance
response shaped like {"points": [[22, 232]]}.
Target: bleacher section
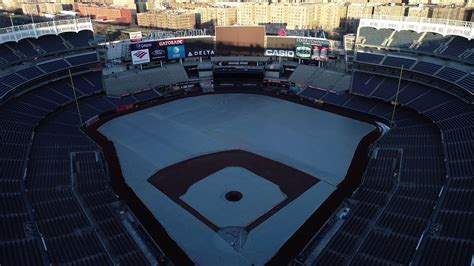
{"points": [[431, 42], [131, 81], [11, 82], [427, 43], [30, 49], [458, 76], [412, 204], [320, 78], [74, 208], [374, 37], [404, 39]]}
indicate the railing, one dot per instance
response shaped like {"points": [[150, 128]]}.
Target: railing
{"points": [[35, 30], [442, 26]]}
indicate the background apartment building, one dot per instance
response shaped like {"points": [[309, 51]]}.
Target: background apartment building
{"points": [[217, 16], [174, 20], [111, 14]]}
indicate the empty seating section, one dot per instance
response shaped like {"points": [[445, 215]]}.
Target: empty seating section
{"points": [[312, 94], [431, 42], [374, 37], [30, 72], [387, 90], [457, 46], [426, 43], [60, 213], [82, 59], [83, 84], [404, 39], [81, 39], [25, 48], [429, 100], [122, 100], [425, 67], [50, 43], [369, 57], [12, 80], [364, 83], [450, 74], [146, 95], [30, 49], [55, 65], [467, 82], [7, 55], [360, 104], [398, 62]]}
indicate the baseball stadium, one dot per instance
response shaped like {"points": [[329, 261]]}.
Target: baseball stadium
{"points": [[238, 146]]}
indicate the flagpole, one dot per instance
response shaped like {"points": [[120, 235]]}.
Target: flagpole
{"points": [[75, 98], [396, 97]]}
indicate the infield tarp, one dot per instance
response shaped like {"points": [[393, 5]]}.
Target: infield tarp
{"points": [[319, 143]]}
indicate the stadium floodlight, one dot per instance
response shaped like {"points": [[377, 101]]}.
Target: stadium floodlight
{"points": [[75, 98], [396, 97]]}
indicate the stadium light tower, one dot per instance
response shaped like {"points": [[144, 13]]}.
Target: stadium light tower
{"points": [[75, 98], [396, 97]]}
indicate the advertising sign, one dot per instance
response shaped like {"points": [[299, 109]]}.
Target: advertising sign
{"points": [[312, 48], [156, 52], [303, 51], [199, 47], [315, 55], [312, 41], [171, 42], [175, 52], [199, 52], [140, 56], [135, 36], [324, 54], [279, 52]]}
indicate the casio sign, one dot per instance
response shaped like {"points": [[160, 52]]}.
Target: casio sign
{"points": [[303, 51], [283, 53]]}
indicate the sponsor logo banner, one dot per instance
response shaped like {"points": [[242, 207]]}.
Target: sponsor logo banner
{"points": [[196, 53], [140, 56], [315, 55], [303, 51], [135, 36], [158, 54], [312, 42], [279, 52], [175, 52], [324, 54], [171, 42], [141, 45]]}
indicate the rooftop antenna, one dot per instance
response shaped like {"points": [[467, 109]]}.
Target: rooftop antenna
{"points": [[396, 97]]}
